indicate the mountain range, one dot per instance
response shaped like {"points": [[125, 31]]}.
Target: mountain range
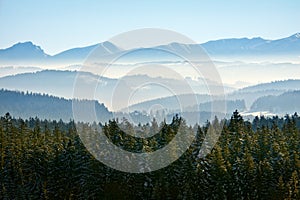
{"points": [[254, 46], [27, 53], [23, 64]]}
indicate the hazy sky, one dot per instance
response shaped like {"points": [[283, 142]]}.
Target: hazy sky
{"points": [[56, 25]]}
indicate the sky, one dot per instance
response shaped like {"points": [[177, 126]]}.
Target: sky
{"points": [[57, 25]]}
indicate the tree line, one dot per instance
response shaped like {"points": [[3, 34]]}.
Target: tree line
{"points": [[42, 159]]}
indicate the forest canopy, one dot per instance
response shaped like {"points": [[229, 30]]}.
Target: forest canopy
{"points": [[43, 159]]}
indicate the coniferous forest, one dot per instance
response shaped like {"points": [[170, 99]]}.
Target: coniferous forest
{"points": [[43, 159]]}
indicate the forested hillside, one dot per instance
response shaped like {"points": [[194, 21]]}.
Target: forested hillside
{"points": [[282, 104], [283, 85], [25, 105], [46, 160]]}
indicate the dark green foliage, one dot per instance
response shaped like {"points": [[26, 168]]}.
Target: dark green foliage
{"points": [[42, 159]]}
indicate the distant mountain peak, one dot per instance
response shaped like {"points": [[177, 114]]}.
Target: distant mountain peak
{"points": [[24, 43], [22, 51], [27, 45]]}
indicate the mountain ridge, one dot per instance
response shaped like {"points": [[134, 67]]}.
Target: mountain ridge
{"points": [[257, 46]]}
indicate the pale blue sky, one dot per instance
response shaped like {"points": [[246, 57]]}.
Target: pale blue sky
{"points": [[57, 25]]}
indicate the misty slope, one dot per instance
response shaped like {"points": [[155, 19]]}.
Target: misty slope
{"points": [[13, 70], [79, 54], [57, 83], [61, 83], [287, 102], [252, 93], [242, 99], [75, 54], [25, 105], [283, 85]]}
